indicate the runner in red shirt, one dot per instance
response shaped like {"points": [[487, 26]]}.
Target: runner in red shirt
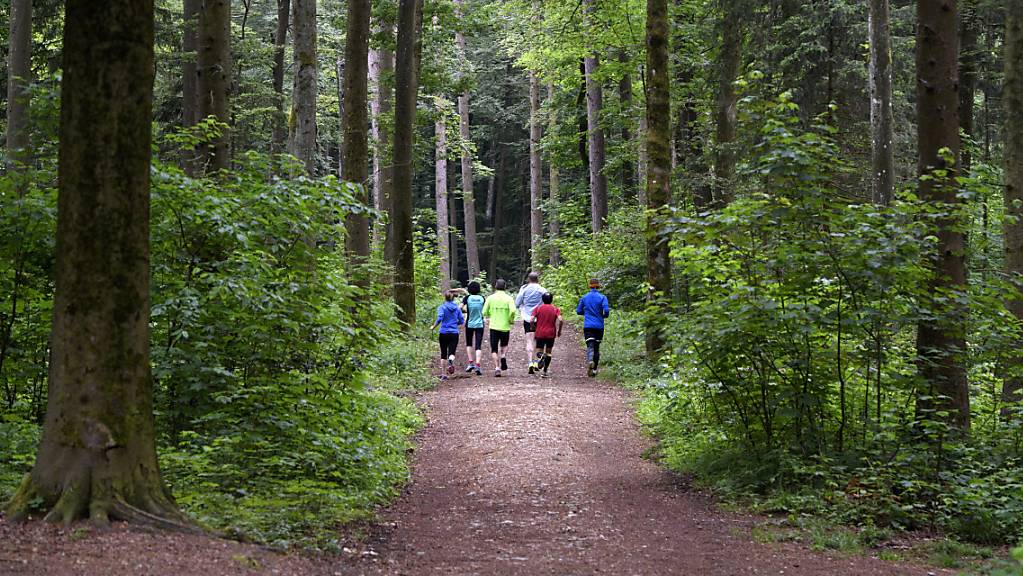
{"points": [[548, 321]]}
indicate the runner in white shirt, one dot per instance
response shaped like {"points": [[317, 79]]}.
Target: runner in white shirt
{"points": [[528, 299]]}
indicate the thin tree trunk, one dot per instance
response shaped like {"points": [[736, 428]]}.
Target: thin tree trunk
{"points": [[355, 152], [453, 226], [19, 76], [882, 122], [472, 253], [1012, 390], [280, 125], [554, 184], [941, 340], [495, 234], [535, 173], [644, 161], [214, 69], [727, 119], [441, 193], [969, 32], [410, 24], [97, 455], [597, 152], [189, 78], [658, 184], [380, 107], [302, 139], [625, 97]]}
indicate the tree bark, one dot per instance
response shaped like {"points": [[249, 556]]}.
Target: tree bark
{"points": [[625, 97], [19, 76], [941, 340], [97, 454], [1012, 390], [969, 32], [495, 234], [727, 101], [214, 70], [535, 173], [658, 184], [410, 24], [189, 78], [355, 152], [597, 151], [554, 185], [302, 137], [382, 72], [280, 124], [882, 122], [472, 252], [441, 193]]}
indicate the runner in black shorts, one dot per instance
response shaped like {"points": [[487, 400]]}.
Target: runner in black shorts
{"points": [[497, 337]]}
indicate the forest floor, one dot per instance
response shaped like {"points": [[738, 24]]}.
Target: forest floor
{"points": [[512, 475]]}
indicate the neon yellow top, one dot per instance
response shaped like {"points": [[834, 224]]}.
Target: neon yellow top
{"points": [[500, 308]]}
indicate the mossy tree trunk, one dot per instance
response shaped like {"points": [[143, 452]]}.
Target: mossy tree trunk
{"points": [[214, 67], [302, 137], [941, 338], [355, 152], [597, 153], [1012, 390], [19, 76], [658, 183], [381, 71], [882, 121], [729, 65], [97, 455], [280, 124], [441, 193], [472, 249], [535, 172]]}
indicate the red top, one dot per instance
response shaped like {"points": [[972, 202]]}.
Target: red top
{"points": [[546, 318]]}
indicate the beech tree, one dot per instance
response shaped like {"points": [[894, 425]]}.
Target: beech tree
{"points": [[553, 185], [97, 454], [381, 71], [535, 172], [214, 69], [19, 76], [882, 122], [941, 336], [441, 193], [280, 125], [302, 140], [597, 154], [472, 251], [729, 64]]}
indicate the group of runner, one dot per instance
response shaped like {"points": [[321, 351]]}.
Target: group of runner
{"points": [[542, 323]]}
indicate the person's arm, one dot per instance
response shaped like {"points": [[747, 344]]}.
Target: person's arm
{"points": [[561, 323], [518, 297], [461, 318], [607, 308], [440, 315], [579, 307], [486, 308]]}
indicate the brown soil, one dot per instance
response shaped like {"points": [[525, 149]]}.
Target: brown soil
{"points": [[513, 475]]}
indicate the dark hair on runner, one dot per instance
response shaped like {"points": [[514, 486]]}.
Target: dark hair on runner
{"points": [[474, 287], [547, 297], [449, 295], [533, 277], [500, 284]]}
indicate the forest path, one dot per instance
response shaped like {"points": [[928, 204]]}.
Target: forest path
{"points": [[518, 475]]}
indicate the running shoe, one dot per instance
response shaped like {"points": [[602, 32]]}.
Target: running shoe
{"points": [[504, 363], [444, 378], [591, 370], [544, 375], [532, 367], [468, 367], [451, 364], [478, 371], [497, 373]]}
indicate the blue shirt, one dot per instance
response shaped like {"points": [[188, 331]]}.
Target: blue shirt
{"points": [[593, 307], [474, 310], [449, 317], [529, 298]]}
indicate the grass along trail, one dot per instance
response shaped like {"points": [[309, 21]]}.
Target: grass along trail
{"points": [[519, 475]]}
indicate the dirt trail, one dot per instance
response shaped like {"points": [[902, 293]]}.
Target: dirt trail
{"points": [[518, 475], [513, 475]]}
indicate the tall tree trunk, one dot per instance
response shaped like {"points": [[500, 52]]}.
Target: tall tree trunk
{"points": [[969, 32], [730, 62], [472, 252], [214, 69], [355, 152], [1012, 96], [535, 173], [189, 78], [19, 75], [554, 184], [625, 97], [302, 137], [658, 184], [598, 180], [453, 226], [882, 122], [644, 159], [97, 455], [280, 124], [941, 340], [441, 193], [410, 24], [382, 71], [496, 232]]}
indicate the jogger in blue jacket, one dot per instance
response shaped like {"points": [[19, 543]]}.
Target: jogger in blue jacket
{"points": [[594, 308]]}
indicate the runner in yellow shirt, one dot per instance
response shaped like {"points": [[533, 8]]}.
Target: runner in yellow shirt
{"points": [[500, 310]]}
